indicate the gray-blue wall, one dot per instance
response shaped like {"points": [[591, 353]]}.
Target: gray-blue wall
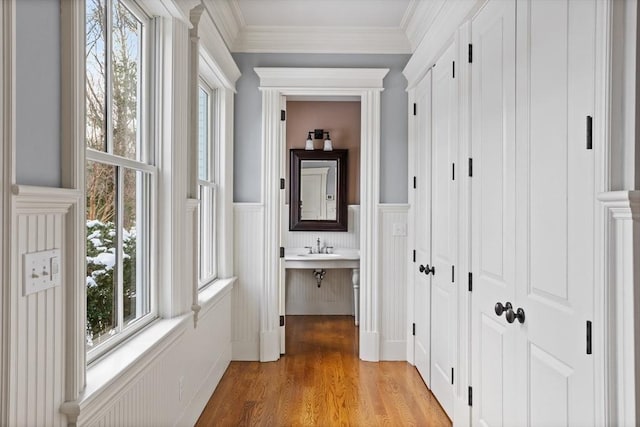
{"points": [[248, 118], [38, 92]]}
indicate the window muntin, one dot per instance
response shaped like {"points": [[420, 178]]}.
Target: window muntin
{"points": [[207, 189], [120, 174]]}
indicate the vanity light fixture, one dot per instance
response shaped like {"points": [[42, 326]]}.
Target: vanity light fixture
{"points": [[318, 134]]}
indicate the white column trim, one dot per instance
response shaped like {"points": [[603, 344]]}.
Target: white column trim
{"points": [[7, 177], [367, 84], [617, 332]]}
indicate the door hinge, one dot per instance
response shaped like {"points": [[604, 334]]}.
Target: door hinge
{"points": [[589, 133], [281, 252], [415, 182], [588, 336], [281, 320], [282, 183], [453, 70], [470, 167], [470, 394], [414, 255], [283, 115], [414, 330], [470, 53], [453, 274], [453, 171], [415, 109], [470, 282], [451, 376]]}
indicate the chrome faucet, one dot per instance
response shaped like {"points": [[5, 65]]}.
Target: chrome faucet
{"points": [[318, 246]]}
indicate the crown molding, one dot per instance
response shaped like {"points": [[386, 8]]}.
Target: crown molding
{"points": [[226, 17], [272, 39], [418, 19]]}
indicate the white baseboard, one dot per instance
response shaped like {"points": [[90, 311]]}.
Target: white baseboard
{"points": [[393, 350], [194, 409], [370, 346], [270, 345], [245, 351]]}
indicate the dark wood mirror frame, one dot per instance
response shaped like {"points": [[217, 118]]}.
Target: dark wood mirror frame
{"points": [[296, 223]]}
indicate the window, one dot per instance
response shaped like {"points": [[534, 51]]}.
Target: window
{"points": [[120, 174], [207, 236]]}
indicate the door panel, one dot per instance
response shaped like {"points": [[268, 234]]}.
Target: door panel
{"points": [[444, 211], [422, 301], [555, 217], [493, 212]]}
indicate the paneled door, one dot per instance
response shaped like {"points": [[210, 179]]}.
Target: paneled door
{"points": [[493, 205], [422, 214], [555, 211], [533, 212], [444, 226]]}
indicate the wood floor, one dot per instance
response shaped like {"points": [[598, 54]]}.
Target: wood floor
{"points": [[321, 382]]}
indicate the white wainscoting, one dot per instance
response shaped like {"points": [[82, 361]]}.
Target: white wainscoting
{"points": [[173, 386], [349, 239], [393, 282], [334, 296], [36, 351], [248, 259]]}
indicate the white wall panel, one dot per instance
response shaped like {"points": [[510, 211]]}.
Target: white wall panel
{"points": [[35, 330], [248, 238], [393, 282], [349, 239]]}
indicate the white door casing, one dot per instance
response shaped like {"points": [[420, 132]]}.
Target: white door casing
{"points": [[282, 297], [422, 227], [493, 213], [444, 227]]}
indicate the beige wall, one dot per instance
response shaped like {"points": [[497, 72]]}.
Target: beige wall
{"points": [[341, 120]]}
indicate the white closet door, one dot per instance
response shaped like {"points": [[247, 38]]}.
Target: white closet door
{"points": [[493, 187], [555, 212], [444, 215], [422, 281]]}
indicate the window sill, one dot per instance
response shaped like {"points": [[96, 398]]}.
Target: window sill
{"points": [[210, 295]]}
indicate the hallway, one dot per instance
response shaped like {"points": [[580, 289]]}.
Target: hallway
{"points": [[321, 381]]}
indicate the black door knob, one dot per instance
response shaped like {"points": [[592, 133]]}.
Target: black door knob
{"points": [[421, 268], [512, 316], [499, 308], [426, 270]]}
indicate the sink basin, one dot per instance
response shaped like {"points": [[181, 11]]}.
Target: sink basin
{"points": [[320, 256]]}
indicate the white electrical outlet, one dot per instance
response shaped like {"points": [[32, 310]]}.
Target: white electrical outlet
{"points": [[41, 270], [400, 229]]}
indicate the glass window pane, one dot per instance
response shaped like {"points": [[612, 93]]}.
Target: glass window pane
{"points": [[203, 135], [101, 252], [136, 298], [96, 72], [126, 44]]}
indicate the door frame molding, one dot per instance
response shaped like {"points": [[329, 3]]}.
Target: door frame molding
{"points": [[366, 83]]}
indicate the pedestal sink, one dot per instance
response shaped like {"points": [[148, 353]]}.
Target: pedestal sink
{"points": [[341, 258]]}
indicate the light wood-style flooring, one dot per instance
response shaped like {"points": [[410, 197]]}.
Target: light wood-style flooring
{"points": [[321, 382]]}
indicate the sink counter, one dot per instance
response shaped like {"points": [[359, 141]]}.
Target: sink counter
{"points": [[343, 258]]}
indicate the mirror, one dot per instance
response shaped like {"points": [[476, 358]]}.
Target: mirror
{"points": [[318, 198]]}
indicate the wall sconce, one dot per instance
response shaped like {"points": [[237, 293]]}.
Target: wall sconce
{"points": [[318, 134]]}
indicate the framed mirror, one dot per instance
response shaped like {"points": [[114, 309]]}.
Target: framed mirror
{"points": [[318, 192]]}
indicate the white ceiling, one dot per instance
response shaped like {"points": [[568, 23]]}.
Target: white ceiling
{"points": [[320, 26]]}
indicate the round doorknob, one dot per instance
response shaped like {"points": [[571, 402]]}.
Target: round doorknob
{"points": [[421, 268], [499, 308], [512, 316]]}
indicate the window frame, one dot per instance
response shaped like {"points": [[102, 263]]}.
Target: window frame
{"points": [[210, 183], [145, 163]]}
